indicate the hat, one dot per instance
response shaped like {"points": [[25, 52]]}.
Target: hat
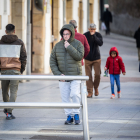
{"points": [[74, 23], [106, 5], [92, 26], [10, 27]]}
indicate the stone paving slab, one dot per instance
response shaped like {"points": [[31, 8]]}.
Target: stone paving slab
{"points": [[107, 118], [117, 119]]}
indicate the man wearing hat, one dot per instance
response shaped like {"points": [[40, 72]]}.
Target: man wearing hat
{"points": [[12, 62], [107, 19], [93, 59]]}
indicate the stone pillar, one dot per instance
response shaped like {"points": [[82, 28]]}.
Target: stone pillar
{"points": [[38, 39], [80, 15], [18, 17], [69, 9], [91, 4], [56, 21], [96, 14]]}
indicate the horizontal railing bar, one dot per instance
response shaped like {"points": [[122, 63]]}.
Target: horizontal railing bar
{"points": [[42, 77], [38, 105]]}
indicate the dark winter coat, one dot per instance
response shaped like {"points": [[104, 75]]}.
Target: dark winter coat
{"points": [[137, 37], [107, 16], [67, 61], [84, 41], [94, 42], [115, 65]]}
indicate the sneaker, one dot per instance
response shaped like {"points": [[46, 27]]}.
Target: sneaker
{"points": [[113, 96], [77, 119], [10, 116], [69, 120], [5, 111], [119, 94]]}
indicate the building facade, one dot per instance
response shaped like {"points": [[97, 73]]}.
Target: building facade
{"points": [[126, 15], [46, 18]]}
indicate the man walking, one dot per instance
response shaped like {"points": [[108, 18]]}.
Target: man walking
{"points": [[66, 59], [107, 18], [93, 59], [12, 62], [137, 37], [81, 38]]}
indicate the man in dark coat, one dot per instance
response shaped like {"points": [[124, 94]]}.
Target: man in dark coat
{"points": [[107, 18], [93, 59], [137, 37]]}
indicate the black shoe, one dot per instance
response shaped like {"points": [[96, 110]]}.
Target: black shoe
{"points": [[13, 117], [77, 119], [10, 116], [5, 111], [69, 120]]}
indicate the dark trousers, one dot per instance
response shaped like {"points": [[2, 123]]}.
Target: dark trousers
{"points": [[139, 66], [9, 84], [107, 24]]}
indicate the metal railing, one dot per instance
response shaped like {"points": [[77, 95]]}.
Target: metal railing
{"points": [[34, 105]]}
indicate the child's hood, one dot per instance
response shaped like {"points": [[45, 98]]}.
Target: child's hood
{"points": [[113, 49]]}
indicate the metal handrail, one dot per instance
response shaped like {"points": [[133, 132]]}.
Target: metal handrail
{"points": [[41, 77], [37, 105]]}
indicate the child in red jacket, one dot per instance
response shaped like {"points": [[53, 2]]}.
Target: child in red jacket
{"points": [[115, 65]]}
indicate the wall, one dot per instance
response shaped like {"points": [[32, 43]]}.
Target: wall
{"points": [[85, 16], [126, 16], [38, 39], [57, 25], [80, 17], [75, 15], [96, 14], [19, 18], [69, 10], [4, 17], [47, 39]]}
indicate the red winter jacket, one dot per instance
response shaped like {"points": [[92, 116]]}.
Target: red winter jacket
{"points": [[115, 65], [84, 41]]}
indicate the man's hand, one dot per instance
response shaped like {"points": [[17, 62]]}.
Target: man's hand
{"points": [[105, 68], [123, 73], [66, 44], [62, 80], [92, 33]]}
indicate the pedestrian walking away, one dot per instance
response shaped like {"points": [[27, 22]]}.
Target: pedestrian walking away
{"points": [[137, 37], [66, 59], [93, 59], [12, 62], [107, 19], [115, 65], [81, 38]]}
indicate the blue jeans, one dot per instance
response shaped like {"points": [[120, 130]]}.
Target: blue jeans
{"points": [[115, 77]]}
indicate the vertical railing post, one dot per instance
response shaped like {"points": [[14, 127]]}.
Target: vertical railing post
{"points": [[84, 111]]}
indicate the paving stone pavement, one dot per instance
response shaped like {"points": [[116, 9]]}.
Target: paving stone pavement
{"points": [[117, 119]]}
